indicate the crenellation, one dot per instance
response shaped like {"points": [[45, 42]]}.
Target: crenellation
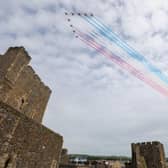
{"points": [[156, 143], [148, 143]]}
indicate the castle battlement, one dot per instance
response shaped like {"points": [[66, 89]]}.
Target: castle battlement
{"points": [[147, 154], [147, 144]]}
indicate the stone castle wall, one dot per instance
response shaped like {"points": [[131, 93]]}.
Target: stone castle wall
{"points": [[26, 144], [24, 141], [20, 87], [64, 156], [147, 155]]}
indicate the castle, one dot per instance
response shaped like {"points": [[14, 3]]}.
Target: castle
{"points": [[24, 141], [147, 155]]}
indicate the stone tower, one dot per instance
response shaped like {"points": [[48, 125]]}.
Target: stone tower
{"points": [[147, 155], [20, 87], [24, 141]]}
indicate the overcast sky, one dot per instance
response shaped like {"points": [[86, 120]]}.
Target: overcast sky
{"points": [[97, 107]]}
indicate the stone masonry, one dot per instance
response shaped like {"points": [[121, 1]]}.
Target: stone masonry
{"points": [[24, 142], [20, 87], [147, 155], [64, 156]]}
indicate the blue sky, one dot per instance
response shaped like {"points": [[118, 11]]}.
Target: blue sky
{"points": [[98, 108]]}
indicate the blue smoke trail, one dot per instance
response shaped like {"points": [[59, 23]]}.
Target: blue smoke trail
{"points": [[108, 33], [90, 41]]}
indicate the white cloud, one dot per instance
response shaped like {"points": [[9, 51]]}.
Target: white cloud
{"points": [[93, 101]]}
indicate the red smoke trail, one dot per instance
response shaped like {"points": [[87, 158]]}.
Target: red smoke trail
{"points": [[101, 49]]}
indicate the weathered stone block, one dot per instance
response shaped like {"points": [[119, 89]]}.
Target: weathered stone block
{"points": [[25, 143], [64, 156]]}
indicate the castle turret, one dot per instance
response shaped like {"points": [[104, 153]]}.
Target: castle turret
{"points": [[147, 155]]}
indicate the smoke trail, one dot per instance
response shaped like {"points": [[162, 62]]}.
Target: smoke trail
{"points": [[101, 41], [107, 33], [101, 49]]}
